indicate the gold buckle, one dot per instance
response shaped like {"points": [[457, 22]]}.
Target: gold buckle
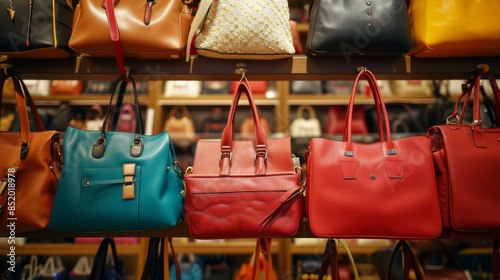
{"points": [[128, 190]]}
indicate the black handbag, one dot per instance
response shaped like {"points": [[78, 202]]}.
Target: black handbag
{"points": [[359, 27], [35, 29]]}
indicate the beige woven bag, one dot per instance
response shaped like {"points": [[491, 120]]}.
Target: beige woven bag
{"points": [[232, 29]]}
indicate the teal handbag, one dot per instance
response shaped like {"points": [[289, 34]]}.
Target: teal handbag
{"points": [[117, 181]]}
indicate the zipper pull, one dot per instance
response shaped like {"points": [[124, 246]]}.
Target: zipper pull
{"points": [[148, 11]]}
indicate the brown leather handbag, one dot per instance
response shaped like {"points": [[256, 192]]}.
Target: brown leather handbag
{"points": [[29, 170], [147, 29], [243, 188]]}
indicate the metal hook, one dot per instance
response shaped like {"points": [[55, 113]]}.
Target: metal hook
{"points": [[483, 68], [3, 65], [361, 69], [241, 69], [127, 72]]}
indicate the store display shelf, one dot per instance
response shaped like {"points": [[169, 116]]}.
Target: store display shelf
{"points": [[218, 100], [330, 99], [81, 100], [298, 67], [319, 249], [68, 249], [232, 247]]}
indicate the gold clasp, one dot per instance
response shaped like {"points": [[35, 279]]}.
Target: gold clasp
{"points": [[128, 190]]}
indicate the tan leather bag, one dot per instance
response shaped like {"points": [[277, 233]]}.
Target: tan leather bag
{"points": [[161, 34], [180, 126], [29, 170]]}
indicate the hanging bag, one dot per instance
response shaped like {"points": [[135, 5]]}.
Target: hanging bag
{"points": [[147, 29], [254, 180], [118, 181], [383, 189], [359, 27], [36, 29], [260, 265], [467, 156], [180, 126], [232, 29], [29, 170], [459, 28], [305, 127]]}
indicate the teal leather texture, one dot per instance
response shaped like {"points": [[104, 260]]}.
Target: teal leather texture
{"points": [[89, 195]]}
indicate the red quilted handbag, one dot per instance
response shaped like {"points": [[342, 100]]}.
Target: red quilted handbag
{"points": [[243, 188], [384, 189], [467, 158]]}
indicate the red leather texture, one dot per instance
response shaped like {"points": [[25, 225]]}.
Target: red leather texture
{"points": [[467, 160], [384, 189], [243, 188], [336, 120]]}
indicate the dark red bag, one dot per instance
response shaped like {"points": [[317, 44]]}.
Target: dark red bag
{"points": [[467, 157]]}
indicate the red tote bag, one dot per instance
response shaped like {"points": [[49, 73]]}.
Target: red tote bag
{"points": [[467, 167], [384, 189], [243, 188]]}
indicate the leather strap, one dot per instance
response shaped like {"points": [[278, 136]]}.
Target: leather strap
{"points": [[22, 95], [330, 258], [473, 88], [381, 111], [409, 260], [260, 142], [99, 264], [154, 258], [120, 85], [495, 266], [198, 20], [108, 5], [262, 247], [308, 108]]}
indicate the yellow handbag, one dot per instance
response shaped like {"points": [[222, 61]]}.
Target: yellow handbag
{"points": [[443, 28]]}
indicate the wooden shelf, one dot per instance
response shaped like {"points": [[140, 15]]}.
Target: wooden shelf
{"points": [[81, 100], [330, 99], [296, 67], [215, 100], [69, 249], [232, 247]]}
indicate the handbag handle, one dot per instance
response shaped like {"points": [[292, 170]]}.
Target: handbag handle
{"points": [[263, 246], [99, 265], [308, 108], [96, 108], [382, 116], [260, 142], [137, 145], [22, 95], [331, 258], [154, 258], [175, 109], [473, 88], [409, 260]]}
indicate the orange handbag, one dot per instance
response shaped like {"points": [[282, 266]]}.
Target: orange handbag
{"points": [[260, 265], [467, 158], [384, 189], [243, 188], [29, 170]]}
